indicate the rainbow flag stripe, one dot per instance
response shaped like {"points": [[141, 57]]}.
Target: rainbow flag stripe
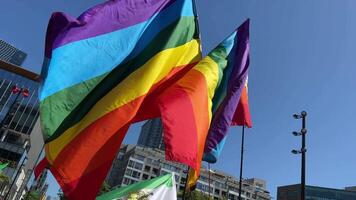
{"points": [[99, 71]]}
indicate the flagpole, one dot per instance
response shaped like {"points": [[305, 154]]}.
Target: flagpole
{"points": [[186, 182], [197, 34], [241, 161], [197, 30], [209, 178]]}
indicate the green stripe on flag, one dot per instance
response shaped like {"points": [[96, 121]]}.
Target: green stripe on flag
{"points": [[166, 180], [3, 166]]}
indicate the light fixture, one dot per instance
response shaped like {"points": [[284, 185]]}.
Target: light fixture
{"points": [[296, 151], [295, 133], [296, 116]]}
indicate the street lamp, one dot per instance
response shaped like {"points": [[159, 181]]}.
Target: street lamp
{"points": [[303, 150]]}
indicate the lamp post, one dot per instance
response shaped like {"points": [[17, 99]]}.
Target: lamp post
{"points": [[303, 150]]}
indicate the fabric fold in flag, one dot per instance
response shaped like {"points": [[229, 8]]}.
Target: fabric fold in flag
{"points": [[99, 72], [162, 187], [227, 96]]}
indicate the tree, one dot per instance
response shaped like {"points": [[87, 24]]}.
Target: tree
{"points": [[61, 195], [32, 195], [194, 195], [105, 187], [3, 178]]}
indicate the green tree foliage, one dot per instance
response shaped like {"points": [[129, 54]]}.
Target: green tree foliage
{"points": [[61, 195], [105, 187], [32, 195], [4, 178], [194, 195]]}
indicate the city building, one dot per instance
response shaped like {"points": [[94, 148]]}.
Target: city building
{"points": [[152, 134], [136, 163], [19, 111], [292, 192], [11, 54]]}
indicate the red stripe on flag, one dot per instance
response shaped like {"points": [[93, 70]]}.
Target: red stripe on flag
{"points": [[40, 167], [185, 118], [242, 115]]}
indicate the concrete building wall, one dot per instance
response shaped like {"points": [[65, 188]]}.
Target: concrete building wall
{"points": [[134, 164]]}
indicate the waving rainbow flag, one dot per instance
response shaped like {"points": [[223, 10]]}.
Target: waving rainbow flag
{"points": [[100, 71], [204, 102], [230, 103]]}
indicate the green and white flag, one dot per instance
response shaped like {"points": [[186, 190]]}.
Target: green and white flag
{"points": [[159, 188], [3, 166]]}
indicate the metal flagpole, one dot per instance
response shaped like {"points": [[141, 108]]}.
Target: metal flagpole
{"points": [[209, 178], [242, 159], [197, 30], [197, 34], [186, 182]]}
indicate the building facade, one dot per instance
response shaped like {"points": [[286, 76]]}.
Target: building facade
{"points": [[135, 163], [292, 192], [152, 134], [19, 111], [11, 54]]}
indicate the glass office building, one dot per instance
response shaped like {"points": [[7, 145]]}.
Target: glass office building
{"points": [[152, 134], [11, 54], [292, 192], [18, 114]]}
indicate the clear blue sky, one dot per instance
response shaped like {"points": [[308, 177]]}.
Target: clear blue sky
{"points": [[303, 56]]}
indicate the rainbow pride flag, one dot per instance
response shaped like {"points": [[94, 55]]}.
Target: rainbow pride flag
{"points": [[230, 103], [204, 102], [101, 72]]}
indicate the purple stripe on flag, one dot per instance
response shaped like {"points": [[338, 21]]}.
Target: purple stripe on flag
{"points": [[223, 116], [104, 18]]}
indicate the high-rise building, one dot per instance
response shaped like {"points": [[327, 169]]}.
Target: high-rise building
{"points": [[152, 134], [351, 188], [19, 111], [135, 163], [292, 192], [11, 54]]}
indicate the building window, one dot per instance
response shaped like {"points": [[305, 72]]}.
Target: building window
{"points": [[217, 192], [128, 172], [138, 166], [145, 176], [126, 181], [147, 168], [136, 174], [155, 171], [135, 165], [139, 157]]}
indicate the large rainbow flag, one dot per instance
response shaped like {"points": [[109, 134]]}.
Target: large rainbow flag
{"points": [[101, 72], [230, 103], [204, 101]]}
